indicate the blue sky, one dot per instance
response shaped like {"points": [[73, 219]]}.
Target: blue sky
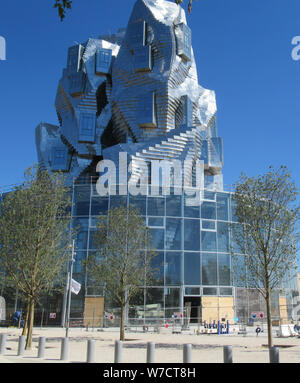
{"points": [[242, 49]]}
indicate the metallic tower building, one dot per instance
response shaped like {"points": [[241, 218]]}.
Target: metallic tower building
{"points": [[136, 93]]}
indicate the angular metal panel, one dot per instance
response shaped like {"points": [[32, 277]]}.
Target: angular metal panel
{"points": [[146, 111], [60, 158], [77, 84], [142, 59], [87, 125], [184, 41], [137, 33], [103, 61], [74, 58]]}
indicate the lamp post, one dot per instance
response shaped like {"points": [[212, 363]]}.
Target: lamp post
{"points": [[69, 291]]}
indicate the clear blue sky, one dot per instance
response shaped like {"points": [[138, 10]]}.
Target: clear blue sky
{"points": [[243, 52]]}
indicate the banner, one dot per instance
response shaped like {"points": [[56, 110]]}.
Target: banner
{"points": [[75, 287]]}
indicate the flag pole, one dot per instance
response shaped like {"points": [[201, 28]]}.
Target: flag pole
{"points": [[69, 287]]}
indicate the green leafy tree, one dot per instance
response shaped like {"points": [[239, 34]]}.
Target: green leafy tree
{"points": [[34, 238], [267, 213], [62, 6], [122, 263]]}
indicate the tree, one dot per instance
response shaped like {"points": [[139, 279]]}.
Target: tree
{"points": [[34, 238], [123, 261], [63, 5], [267, 213]]}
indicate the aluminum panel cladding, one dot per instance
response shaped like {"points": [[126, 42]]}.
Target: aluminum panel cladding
{"points": [[183, 41], [60, 159], [74, 58], [204, 152], [103, 61], [146, 114], [87, 127], [77, 84], [143, 59], [137, 33], [187, 119], [217, 152]]}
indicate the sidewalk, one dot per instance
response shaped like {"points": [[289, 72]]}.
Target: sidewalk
{"points": [[205, 348]]}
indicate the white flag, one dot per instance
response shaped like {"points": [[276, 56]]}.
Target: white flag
{"points": [[75, 287]]}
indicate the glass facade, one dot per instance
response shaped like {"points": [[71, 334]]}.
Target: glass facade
{"points": [[192, 245]]}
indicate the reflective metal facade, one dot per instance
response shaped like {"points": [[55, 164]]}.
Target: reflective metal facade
{"points": [[138, 88], [137, 92]]}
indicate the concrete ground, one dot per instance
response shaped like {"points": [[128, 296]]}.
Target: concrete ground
{"points": [[206, 348]]}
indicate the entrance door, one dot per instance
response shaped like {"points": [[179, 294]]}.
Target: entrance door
{"points": [[192, 306]]}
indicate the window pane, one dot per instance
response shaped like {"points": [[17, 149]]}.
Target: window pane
{"points": [[153, 221], [208, 241], [154, 303], [192, 291], [208, 210], [209, 291], [225, 291], [156, 206], [173, 206], [81, 200], [117, 201], [173, 268], [208, 225], [239, 270], [138, 202], [209, 195], [224, 270], [223, 237], [157, 270], [173, 233], [157, 238], [209, 269], [192, 269], [191, 234], [191, 207], [222, 206], [171, 299], [99, 205]]}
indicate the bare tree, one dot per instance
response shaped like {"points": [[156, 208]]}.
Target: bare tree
{"points": [[123, 261], [34, 238], [267, 233]]}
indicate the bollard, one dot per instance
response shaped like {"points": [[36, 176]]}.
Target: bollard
{"points": [[90, 351], [150, 352], [21, 346], [274, 355], [118, 351], [187, 353], [227, 353], [64, 349], [3, 344], [42, 346]]}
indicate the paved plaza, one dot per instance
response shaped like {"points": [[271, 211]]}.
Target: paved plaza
{"points": [[206, 348]]}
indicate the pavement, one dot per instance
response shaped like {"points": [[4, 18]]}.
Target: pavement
{"points": [[206, 348]]}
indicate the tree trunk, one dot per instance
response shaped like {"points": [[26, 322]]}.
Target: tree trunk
{"points": [[26, 320], [269, 317], [30, 324], [122, 324]]}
